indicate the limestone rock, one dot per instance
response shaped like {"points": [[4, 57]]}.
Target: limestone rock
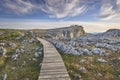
{"points": [[83, 69], [111, 33], [99, 75], [101, 60], [68, 32], [82, 61], [15, 56], [108, 46], [11, 44], [37, 54], [98, 51], [3, 51], [2, 44], [77, 77], [5, 77], [34, 59]]}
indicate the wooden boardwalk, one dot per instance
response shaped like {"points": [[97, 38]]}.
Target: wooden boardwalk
{"points": [[52, 66]]}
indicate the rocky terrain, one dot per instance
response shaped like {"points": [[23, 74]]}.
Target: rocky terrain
{"points": [[67, 32], [91, 56], [20, 55], [86, 56], [111, 33]]}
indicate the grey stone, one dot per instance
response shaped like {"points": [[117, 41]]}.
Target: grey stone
{"points": [[83, 60], [101, 60], [68, 32], [98, 51], [77, 77], [5, 77], [83, 69], [11, 44], [99, 74], [3, 51], [2, 44], [34, 59], [15, 56], [37, 54]]}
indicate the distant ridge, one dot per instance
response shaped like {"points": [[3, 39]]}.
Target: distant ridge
{"points": [[111, 33]]}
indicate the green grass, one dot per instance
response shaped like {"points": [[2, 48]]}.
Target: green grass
{"points": [[17, 70], [29, 70], [93, 68], [9, 35]]}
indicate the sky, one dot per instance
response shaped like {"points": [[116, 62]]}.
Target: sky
{"points": [[93, 15]]}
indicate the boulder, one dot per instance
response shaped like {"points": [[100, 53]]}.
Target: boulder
{"points": [[34, 59], [15, 56], [73, 51], [5, 77], [77, 77], [118, 58], [2, 44], [83, 69], [67, 48], [11, 44], [101, 60], [37, 54], [13, 68], [99, 75], [84, 51], [108, 46], [3, 51], [72, 43], [22, 50], [98, 51], [17, 51], [82, 61]]}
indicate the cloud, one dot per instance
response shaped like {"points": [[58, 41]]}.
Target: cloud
{"points": [[63, 8], [110, 10], [54, 8], [67, 8], [18, 6]]}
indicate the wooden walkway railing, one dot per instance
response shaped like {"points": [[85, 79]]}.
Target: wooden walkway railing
{"points": [[53, 67]]}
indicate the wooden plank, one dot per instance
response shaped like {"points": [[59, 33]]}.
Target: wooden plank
{"points": [[54, 76], [52, 70], [53, 67]]}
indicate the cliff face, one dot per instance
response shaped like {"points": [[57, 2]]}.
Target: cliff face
{"points": [[68, 32]]}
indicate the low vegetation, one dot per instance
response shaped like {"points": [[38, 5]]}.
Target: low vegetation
{"points": [[87, 67], [20, 62]]}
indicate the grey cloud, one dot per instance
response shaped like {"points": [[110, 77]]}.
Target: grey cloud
{"points": [[63, 8], [54, 8], [67, 8], [18, 6], [110, 10]]}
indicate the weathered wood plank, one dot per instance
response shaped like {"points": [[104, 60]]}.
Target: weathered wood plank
{"points": [[54, 76], [53, 67]]}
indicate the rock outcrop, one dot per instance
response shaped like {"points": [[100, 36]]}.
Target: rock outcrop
{"points": [[68, 32], [111, 33], [3, 51]]}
